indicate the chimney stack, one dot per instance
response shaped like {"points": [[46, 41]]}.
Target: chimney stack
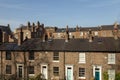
{"points": [[28, 25], [33, 27], [90, 35], [5, 37], [77, 28], [67, 34], [43, 38], [20, 37], [8, 25], [1, 36], [38, 24], [115, 31]]}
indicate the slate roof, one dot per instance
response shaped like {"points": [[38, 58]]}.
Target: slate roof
{"points": [[87, 28], [6, 29], [99, 44], [102, 27], [9, 46], [103, 44]]}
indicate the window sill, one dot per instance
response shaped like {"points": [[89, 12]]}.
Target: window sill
{"points": [[81, 78], [31, 74], [32, 60], [56, 61], [82, 62], [111, 63]]}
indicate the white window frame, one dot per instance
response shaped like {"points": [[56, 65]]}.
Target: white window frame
{"points": [[81, 33], [111, 58], [82, 58], [70, 35], [56, 56], [111, 74], [58, 35], [96, 33], [82, 77]]}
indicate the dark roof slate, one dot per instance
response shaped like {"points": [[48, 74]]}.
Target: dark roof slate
{"points": [[9, 46], [6, 29], [102, 44], [77, 45]]}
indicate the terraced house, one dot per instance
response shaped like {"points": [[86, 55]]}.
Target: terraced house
{"points": [[61, 54]]}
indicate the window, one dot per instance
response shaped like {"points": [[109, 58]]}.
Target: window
{"points": [[56, 56], [82, 58], [8, 55], [56, 71], [8, 69], [81, 33], [58, 35], [70, 35], [96, 33], [31, 55], [111, 74], [111, 58], [82, 73], [31, 69]]}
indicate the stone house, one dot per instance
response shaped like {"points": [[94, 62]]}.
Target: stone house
{"points": [[61, 59]]}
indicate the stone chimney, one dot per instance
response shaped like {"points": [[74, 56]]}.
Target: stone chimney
{"points": [[43, 38], [20, 37], [90, 35], [8, 25], [1, 36], [77, 28], [28, 25], [115, 31], [38, 24], [11, 39], [33, 27], [42, 25], [5, 37], [67, 34]]}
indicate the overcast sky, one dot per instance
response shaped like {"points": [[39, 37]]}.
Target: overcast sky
{"points": [[59, 13]]}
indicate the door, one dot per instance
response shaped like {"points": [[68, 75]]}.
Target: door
{"points": [[69, 72], [20, 72], [44, 71], [97, 74]]}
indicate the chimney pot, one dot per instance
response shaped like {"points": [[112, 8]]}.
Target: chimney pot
{"points": [[20, 38]]}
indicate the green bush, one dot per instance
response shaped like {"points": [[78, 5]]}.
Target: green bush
{"points": [[105, 76], [38, 77], [117, 76]]}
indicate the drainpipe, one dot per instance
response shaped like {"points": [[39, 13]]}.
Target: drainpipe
{"points": [[1, 64], [64, 67]]}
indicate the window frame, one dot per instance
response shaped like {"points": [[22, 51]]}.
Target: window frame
{"points": [[31, 55], [111, 72], [31, 70], [8, 55], [96, 33], [111, 58], [56, 71], [82, 58], [55, 56], [8, 69], [81, 33], [81, 73]]}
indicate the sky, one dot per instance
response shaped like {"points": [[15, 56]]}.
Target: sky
{"points": [[60, 13]]}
